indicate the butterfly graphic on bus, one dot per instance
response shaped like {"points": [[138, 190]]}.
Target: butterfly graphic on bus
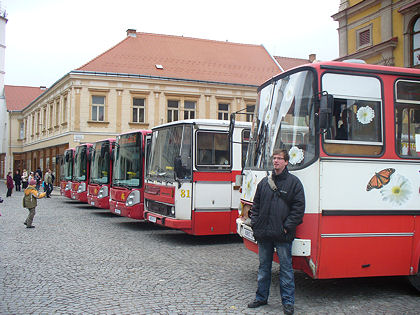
{"points": [[380, 179]]}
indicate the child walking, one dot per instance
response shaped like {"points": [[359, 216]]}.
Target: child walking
{"points": [[30, 197]]}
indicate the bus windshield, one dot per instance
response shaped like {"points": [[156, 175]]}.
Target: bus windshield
{"points": [[67, 166], [80, 164], [128, 157], [99, 165], [284, 119], [170, 153]]}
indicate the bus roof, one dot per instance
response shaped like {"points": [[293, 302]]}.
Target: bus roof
{"points": [[205, 122], [351, 67], [142, 131]]}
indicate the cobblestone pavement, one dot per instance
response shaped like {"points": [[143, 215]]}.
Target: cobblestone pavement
{"points": [[82, 260]]}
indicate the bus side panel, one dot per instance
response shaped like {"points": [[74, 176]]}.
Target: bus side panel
{"points": [[363, 246], [415, 261], [211, 223]]}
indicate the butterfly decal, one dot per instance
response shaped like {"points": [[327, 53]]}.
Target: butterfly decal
{"points": [[380, 179]]}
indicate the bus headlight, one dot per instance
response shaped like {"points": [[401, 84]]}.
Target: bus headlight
{"points": [[173, 211], [82, 188], [103, 192], [68, 186], [133, 198]]}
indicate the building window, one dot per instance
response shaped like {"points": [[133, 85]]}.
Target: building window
{"points": [[138, 110], [21, 130], [415, 43], [189, 110], [98, 108], [44, 124], [250, 112], [173, 108], [364, 37], [64, 119], [51, 116], [57, 113], [223, 113]]}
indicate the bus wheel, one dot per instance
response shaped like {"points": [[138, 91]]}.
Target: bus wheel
{"points": [[415, 280]]}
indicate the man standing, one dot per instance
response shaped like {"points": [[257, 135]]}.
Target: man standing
{"points": [[48, 181], [278, 208]]}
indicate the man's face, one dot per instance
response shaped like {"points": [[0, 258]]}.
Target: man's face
{"points": [[279, 163]]}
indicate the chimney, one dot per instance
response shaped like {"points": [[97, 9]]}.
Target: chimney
{"points": [[43, 87], [131, 32], [312, 57]]}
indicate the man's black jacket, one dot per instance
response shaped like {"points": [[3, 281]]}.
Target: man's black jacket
{"points": [[273, 212]]}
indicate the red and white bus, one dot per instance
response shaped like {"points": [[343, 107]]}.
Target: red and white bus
{"points": [[66, 172], [353, 135], [190, 176], [81, 170], [127, 191], [100, 173]]}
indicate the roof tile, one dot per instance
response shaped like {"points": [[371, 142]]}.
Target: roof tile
{"points": [[187, 58], [18, 97]]}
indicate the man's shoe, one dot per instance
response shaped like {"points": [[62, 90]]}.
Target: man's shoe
{"points": [[30, 226], [288, 309], [256, 304]]}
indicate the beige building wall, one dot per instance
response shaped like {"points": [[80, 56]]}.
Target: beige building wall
{"points": [[62, 117]]}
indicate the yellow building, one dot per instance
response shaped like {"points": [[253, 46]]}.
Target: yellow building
{"points": [[143, 81], [385, 32]]}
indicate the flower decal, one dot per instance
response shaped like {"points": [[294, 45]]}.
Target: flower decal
{"points": [[365, 115], [296, 155], [398, 191]]}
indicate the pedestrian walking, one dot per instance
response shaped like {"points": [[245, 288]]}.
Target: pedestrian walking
{"points": [[30, 197], [48, 183], [24, 178], [278, 208], [38, 177], [9, 184], [17, 179]]}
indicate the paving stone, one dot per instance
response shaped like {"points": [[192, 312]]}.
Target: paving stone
{"points": [[83, 260]]}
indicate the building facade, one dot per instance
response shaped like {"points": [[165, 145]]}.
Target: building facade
{"points": [[4, 135], [385, 32], [143, 81]]}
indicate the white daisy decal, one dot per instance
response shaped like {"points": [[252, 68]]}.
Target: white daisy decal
{"points": [[296, 155], [398, 191], [365, 115]]}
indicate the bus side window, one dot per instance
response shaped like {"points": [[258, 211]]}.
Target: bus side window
{"points": [[408, 131], [212, 149], [356, 128]]}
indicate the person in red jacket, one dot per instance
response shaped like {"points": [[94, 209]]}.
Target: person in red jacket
{"points": [[9, 184]]}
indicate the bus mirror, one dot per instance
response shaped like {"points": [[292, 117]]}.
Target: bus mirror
{"points": [[325, 111], [178, 168], [104, 148], [238, 180], [231, 126]]}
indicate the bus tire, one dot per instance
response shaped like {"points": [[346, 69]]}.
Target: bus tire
{"points": [[415, 280]]}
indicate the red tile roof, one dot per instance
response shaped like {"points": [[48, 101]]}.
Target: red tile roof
{"points": [[186, 58], [288, 63], [18, 97]]}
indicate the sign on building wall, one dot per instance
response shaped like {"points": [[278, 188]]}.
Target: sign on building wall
{"points": [[78, 138]]}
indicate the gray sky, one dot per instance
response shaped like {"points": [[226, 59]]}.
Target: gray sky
{"points": [[45, 39]]}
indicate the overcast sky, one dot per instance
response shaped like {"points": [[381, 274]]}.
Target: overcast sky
{"points": [[45, 39]]}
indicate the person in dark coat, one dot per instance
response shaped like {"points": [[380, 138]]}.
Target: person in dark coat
{"points": [[9, 184], [17, 179], [38, 177], [278, 208]]}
